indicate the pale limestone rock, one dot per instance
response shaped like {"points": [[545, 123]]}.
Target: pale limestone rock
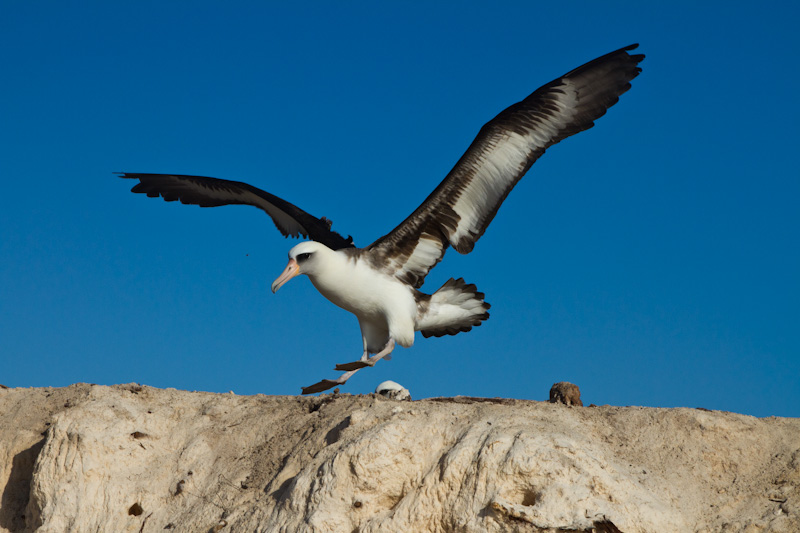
{"points": [[132, 458]]}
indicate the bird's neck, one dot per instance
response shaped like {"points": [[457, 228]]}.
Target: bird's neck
{"points": [[335, 277]]}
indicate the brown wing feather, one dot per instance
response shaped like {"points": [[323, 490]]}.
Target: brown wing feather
{"points": [[290, 220], [460, 209]]}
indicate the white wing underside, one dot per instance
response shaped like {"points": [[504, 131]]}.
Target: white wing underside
{"points": [[458, 212]]}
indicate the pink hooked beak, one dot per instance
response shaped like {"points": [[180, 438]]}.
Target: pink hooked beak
{"points": [[292, 269]]}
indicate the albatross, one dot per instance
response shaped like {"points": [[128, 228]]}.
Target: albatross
{"points": [[380, 283]]}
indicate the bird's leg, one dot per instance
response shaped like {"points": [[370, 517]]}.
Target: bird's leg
{"points": [[383, 354], [366, 360], [352, 368], [326, 384], [355, 365]]}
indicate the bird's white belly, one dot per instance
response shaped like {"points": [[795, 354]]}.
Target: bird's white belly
{"points": [[373, 297]]}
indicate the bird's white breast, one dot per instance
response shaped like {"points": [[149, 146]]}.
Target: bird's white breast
{"points": [[369, 294]]}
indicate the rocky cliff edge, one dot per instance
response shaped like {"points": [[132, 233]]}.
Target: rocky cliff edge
{"points": [[139, 459]]}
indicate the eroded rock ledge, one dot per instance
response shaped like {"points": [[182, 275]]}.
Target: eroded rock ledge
{"points": [[140, 459]]}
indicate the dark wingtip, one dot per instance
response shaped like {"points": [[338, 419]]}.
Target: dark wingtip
{"points": [[636, 57], [130, 175]]}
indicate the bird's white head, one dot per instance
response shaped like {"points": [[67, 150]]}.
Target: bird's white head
{"points": [[305, 258]]}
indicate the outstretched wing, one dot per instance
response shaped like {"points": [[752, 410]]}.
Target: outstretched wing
{"points": [[462, 206], [290, 220]]}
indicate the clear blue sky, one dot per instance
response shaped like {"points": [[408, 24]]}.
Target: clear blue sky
{"points": [[653, 260]]}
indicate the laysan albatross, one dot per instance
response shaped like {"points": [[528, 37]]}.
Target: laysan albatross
{"points": [[380, 283]]}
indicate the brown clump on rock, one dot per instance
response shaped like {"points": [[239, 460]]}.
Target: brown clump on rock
{"points": [[566, 393]]}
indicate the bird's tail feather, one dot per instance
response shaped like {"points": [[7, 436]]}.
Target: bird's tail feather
{"points": [[455, 307]]}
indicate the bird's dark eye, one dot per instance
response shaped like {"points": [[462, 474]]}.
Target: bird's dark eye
{"points": [[302, 257]]}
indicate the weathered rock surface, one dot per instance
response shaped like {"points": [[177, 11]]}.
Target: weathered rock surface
{"points": [[139, 459]]}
